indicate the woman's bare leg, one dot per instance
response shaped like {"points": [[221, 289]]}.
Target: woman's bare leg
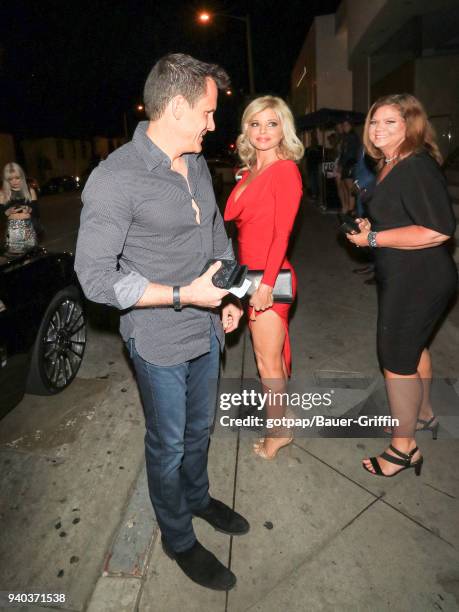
{"points": [[341, 194], [268, 336], [425, 374], [405, 394], [349, 197]]}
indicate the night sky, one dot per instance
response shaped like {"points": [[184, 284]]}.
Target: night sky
{"points": [[73, 68]]}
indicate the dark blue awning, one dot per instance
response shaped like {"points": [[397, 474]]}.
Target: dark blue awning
{"points": [[328, 117]]}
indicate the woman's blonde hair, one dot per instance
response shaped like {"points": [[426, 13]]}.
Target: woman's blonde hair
{"points": [[13, 169], [290, 146], [420, 135]]}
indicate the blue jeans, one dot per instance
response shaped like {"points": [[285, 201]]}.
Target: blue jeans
{"points": [[179, 407]]}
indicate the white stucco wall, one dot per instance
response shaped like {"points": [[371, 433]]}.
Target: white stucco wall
{"points": [[434, 86], [334, 80], [359, 15]]}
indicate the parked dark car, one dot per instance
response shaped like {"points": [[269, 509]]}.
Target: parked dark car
{"points": [[60, 184], [42, 325]]}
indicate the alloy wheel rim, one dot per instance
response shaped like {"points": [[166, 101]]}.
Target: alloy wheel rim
{"points": [[63, 344]]}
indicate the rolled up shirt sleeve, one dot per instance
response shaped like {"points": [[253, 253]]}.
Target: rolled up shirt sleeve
{"points": [[105, 221], [223, 247]]}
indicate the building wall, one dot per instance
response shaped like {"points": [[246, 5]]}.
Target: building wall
{"points": [[334, 79], [7, 151], [48, 157], [102, 146], [361, 84], [399, 80], [44, 158], [327, 81], [359, 15], [303, 96], [434, 79]]}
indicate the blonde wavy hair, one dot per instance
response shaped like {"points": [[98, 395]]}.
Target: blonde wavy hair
{"points": [[290, 146], [420, 135], [13, 169]]}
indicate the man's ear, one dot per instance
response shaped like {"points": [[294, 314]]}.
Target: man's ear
{"points": [[178, 104]]}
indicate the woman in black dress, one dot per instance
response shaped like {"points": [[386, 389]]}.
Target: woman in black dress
{"points": [[411, 220]]}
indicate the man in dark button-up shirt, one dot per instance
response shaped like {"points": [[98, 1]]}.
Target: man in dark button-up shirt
{"points": [[148, 226]]}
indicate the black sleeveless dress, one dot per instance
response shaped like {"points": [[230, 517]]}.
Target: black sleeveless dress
{"points": [[414, 286]]}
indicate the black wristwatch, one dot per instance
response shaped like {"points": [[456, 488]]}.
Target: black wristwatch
{"points": [[176, 298]]}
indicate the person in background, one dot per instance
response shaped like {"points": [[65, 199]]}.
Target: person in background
{"points": [[363, 188], [338, 146], [18, 202], [264, 205], [350, 147], [410, 221], [313, 156], [331, 150]]}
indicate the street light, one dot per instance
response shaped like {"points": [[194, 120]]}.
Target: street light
{"points": [[205, 17]]}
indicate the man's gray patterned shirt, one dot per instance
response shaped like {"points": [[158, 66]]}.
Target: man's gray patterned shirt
{"points": [[138, 225]]}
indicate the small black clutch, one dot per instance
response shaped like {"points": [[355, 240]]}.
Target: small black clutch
{"points": [[282, 290], [230, 274]]}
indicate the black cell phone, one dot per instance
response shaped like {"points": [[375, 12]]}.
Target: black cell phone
{"points": [[230, 274], [349, 226]]}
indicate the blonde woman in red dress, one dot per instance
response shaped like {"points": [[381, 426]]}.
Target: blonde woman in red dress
{"points": [[264, 205]]}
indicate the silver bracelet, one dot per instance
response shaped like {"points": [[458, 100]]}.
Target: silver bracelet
{"points": [[372, 239]]}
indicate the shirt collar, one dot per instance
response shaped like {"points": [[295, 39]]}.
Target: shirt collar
{"points": [[151, 154]]}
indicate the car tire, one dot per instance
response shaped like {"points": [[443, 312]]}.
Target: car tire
{"points": [[60, 344]]}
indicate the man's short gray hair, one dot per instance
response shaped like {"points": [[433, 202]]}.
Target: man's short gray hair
{"points": [[179, 74]]}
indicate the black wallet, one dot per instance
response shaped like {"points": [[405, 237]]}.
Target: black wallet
{"points": [[282, 290], [230, 274]]}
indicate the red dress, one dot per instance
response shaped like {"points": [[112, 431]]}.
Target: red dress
{"points": [[264, 214]]}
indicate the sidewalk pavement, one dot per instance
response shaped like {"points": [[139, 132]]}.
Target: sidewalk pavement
{"points": [[325, 535]]}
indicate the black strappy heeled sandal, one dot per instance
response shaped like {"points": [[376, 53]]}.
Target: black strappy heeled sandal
{"points": [[425, 426], [404, 461], [429, 426]]}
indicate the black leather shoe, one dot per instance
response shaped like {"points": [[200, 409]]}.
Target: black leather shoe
{"points": [[223, 518], [203, 567]]}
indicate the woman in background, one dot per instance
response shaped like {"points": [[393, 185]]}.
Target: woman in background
{"points": [[18, 201], [264, 205]]}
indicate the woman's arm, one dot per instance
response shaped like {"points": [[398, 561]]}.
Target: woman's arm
{"points": [[287, 188], [411, 237]]}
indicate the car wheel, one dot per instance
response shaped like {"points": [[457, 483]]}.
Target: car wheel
{"points": [[59, 346]]}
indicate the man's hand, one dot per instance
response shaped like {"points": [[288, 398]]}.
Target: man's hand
{"points": [[231, 315], [202, 292]]}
